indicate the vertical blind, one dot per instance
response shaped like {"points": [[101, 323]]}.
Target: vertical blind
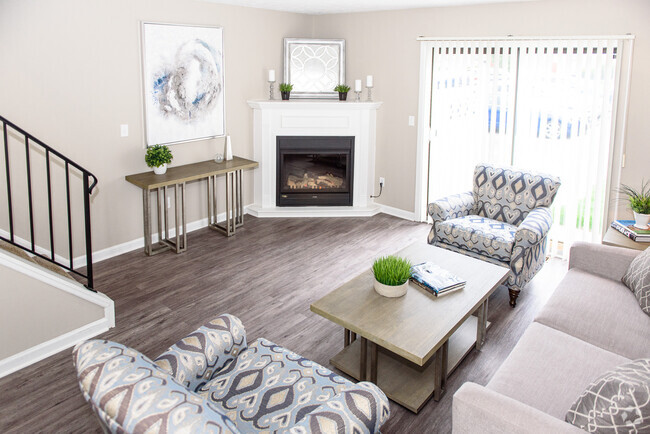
{"points": [[543, 105]]}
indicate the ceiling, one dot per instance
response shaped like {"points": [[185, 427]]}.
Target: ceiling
{"points": [[346, 6]]}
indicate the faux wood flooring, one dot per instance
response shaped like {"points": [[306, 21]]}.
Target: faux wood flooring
{"points": [[267, 274]]}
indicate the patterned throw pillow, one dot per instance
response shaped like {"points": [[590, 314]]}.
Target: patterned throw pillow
{"points": [[616, 402], [637, 278]]}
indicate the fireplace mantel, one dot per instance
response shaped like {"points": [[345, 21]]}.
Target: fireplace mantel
{"points": [[314, 118]]}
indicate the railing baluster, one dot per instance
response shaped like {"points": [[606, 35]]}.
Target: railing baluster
{"points": [[89, 250], [49, 201], [29, 194], [8, 173], [67, 195]]}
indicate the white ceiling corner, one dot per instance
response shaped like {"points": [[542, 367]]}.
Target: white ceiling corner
{"points": [[320, 7]]}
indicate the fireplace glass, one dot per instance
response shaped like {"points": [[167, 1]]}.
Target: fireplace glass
{"points": [[314, 170]]}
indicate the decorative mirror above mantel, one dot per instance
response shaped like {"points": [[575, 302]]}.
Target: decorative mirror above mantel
{"points": [[314, 66]]}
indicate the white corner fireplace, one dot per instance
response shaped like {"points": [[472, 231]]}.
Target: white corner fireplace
{"points": [[317, 158]]}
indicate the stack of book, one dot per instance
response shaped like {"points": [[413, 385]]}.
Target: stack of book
{"points": [[627, 228], [435, 279]]}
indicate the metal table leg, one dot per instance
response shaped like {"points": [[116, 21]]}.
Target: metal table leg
{"points": [[440, 371], [481, 327]]}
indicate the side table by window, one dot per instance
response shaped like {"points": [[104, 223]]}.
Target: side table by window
{"points": [[615, 238]]}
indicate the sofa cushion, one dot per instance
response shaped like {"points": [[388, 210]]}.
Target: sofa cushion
{"points": [[617, 401], [600, 311], [637, 278], [271, 389], [547, 369], [480, 235]]}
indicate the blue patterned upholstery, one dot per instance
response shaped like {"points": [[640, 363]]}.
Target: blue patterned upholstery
{"points": [[211, 381], [505, 220]]}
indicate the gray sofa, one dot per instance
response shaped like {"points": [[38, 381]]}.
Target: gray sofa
{"points": [[591, 324]]}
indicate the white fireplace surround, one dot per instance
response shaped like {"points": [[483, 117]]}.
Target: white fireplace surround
{"points": [[314, 118]]}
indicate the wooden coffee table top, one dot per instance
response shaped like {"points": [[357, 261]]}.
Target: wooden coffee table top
{"points": [[416, 325]]}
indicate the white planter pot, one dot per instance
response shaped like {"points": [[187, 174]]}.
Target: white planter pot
{"points": [[391, 291], [159, 170], [641, 221]]}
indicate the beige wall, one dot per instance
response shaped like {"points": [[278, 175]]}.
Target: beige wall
{"points": [[384, 44], [70, 75], [33, 312]]}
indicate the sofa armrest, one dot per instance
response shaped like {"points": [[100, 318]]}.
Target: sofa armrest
{"points": [[478, 409], [201, 355], [130, 393], [374, 413], [534, 227], [454, 206], [605, 261]]}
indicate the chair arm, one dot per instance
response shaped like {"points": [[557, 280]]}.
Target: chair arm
{"points": [[454, 206], [347, 416], [197, 358], [478, 409], [130, 393], [534, 228], [605, 261]]}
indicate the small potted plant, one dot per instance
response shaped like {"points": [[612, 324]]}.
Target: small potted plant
{"points": [[158, 157], [343, 91], [639, 202], [285, 90], [391, 275]]}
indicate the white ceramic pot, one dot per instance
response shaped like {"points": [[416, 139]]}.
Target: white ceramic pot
{"points": [[641, 221], [159, 170], [391, 291]]}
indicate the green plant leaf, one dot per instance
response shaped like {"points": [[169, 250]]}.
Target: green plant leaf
{"points": [[157, 155], [391, 270]]}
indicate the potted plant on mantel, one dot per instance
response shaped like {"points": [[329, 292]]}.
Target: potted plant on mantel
{"points": [[285, 90], [158, 157], [639, 202], [391, 275], [343, 91]]}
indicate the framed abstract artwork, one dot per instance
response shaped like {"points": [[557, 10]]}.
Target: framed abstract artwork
{"points": [[183, 82], [314, 66]]}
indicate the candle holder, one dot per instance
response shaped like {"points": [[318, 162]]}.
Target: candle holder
{"points": [[271, 83], [358, 97], [369, 93]]}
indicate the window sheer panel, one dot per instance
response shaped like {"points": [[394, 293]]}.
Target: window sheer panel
{"points": [[472, 107], [566, 93]]}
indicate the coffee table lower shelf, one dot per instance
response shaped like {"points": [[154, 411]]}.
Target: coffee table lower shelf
{"points": [[403, 381]]}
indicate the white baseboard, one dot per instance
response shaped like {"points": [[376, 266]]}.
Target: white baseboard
{"points": [[46, 349], [396, 212]]}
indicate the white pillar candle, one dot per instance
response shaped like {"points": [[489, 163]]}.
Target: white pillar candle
{"points": [[369, 81], [271, 75], [228, 150], [357, 85]]}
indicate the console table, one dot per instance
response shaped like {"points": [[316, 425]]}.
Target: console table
{"points": [[177, 177]]}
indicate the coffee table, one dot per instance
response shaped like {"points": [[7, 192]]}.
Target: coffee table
{"points": [[409, 345]]}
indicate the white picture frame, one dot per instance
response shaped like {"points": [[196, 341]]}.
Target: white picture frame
{"points": [[183, 82]]}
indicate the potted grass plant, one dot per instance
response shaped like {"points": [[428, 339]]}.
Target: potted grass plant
{"points": [[158, 157], [639, 202], [285, 90], [391, 275], [343, 91]]}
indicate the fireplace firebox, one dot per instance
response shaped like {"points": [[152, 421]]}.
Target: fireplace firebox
{"points": [[314, 170]]}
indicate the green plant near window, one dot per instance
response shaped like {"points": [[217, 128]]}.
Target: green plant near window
{"points": [[391, 270], [157, 155], [286, 87], [639, 199], [342, 88]]}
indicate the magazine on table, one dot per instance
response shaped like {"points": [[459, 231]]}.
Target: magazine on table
{"points": [[627, 228], [435, 278]]}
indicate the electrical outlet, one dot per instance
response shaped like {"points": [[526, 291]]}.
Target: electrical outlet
{"points": [[169, 202], [411, 121], [382, 181], [124, 130]]}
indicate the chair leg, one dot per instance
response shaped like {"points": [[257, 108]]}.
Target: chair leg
{"points": [[514, 293]]}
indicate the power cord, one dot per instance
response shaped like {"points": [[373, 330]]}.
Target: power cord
{"points": [[381, 187]]}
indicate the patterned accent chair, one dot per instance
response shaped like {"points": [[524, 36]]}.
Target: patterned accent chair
{"points": [[505, 220], [213, 382]]}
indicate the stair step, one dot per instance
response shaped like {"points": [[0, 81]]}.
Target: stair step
{"points": [[17, 251], [52, 267]]}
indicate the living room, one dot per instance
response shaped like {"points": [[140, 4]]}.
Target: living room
{"points": [[72, 77]]}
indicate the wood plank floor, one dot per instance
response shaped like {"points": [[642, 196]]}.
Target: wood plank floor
{"points": [[267, 274]]}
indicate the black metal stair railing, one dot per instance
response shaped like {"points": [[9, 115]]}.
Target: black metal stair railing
{"points": [[69, 166]]}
